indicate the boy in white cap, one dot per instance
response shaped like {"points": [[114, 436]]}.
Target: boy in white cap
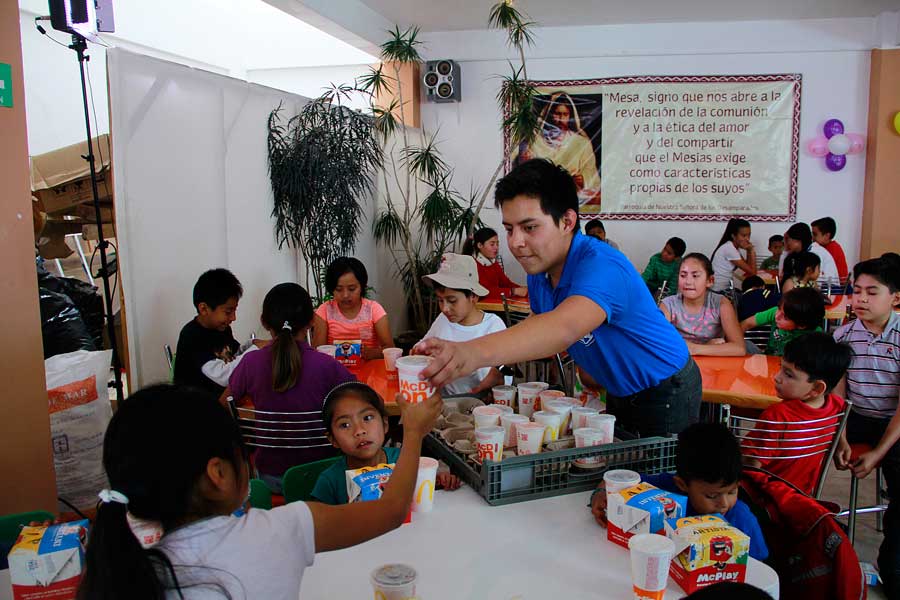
{"points": [[457, 289]]}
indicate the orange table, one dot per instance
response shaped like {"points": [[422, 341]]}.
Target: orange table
{"points": [[373, 374], [743, 381]]}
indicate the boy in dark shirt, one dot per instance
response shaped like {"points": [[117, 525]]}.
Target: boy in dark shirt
{"points": [[755, 298], [207, 352]]}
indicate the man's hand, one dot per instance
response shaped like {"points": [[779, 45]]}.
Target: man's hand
{"points": [[418, 419], [449, 361], [520, 291], [448, 481], [598, 506]]}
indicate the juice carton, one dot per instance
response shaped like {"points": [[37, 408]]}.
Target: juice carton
{"points": [[642, 508], [47, 562], [708, 551], [348, 353]]}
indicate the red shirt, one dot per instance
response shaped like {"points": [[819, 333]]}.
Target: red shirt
{"points": [[495, 280], [802, 472], [840, 261]]}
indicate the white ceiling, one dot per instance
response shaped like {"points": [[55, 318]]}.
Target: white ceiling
{"points": [[441, 15]]}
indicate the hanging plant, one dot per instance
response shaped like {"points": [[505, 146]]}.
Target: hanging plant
{"points": [[322, 164]]}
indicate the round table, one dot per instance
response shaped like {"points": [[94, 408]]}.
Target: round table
{"points": [[466, 549]]}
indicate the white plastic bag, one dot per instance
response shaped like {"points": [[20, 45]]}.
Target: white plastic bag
{"points": [[79, 407]]}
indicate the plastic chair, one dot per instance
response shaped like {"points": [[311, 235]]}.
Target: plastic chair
{"points": [[280, 430], [298, 482], [11, 525], [759, 337], [516, 311], [817, 437], [878, 508], [260, 495]]}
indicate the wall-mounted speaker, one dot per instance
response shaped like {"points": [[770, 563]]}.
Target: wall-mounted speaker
{"points": [[442, 81]]}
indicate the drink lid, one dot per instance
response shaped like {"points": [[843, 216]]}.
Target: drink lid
{"points": [[534, 385], [622, 477], [414, 361], [390, 575], [652, 543], [503, 388]]}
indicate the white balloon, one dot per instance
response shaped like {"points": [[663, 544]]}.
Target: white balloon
{"points": [[839, 144]]}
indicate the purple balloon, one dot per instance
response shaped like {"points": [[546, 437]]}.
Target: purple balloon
{"points": [[835, 162], [833, 127]]}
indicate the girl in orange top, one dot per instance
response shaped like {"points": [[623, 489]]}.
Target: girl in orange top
{"points": [[484, 246], [349, 315]]}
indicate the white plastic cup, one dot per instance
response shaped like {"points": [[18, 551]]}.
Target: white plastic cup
{"points": [[390, 358], [504, 410], [650, 557], [509, 423], [408, 369], [560, 406], [620, 479], [423, 499], [606, 423], [528, 395], [394, 582], [552, 421], [585, 437], [547, 395], [529, 438], [487, 416], [580, 415], [328, 349], [504, 395], [489, 442]]}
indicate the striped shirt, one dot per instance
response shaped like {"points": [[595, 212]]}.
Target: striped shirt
{"points": [[873, 379]]}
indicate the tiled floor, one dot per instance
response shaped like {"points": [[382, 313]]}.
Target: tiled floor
{"points": [[837, 489]]}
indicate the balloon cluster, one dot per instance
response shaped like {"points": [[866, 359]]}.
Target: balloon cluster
{"points": [[835, 145]]}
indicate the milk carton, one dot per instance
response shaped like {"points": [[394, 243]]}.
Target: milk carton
{"points": [[46, 562], [642, 508], [708, 551]]}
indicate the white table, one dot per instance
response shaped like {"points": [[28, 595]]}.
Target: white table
{"points": [[466, 549]]}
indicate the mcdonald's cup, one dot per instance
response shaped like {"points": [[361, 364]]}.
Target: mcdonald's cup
{"points": [[423, 498]]}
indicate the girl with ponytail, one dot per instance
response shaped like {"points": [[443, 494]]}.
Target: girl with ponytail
{"points": [[484, 247], [174, 455], [288, 375]]}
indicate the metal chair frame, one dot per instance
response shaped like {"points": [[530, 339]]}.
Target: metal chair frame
{"points": [[879, 508], [170, 358], [793, 448], [515, 312]]}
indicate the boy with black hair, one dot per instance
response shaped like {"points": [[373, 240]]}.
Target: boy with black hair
{"points": [[207, 352], [801, 311], [457, 289], [707, 470], [823, 232], [873, 386], [811, 367], [776, 247], [663, 267], [586, 298], [596, 229], [755, 297]]}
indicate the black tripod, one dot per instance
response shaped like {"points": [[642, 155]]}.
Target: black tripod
{"points": [[79, 45]]}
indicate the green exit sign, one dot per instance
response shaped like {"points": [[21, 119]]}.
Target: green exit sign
{"points": [[6, 98]]}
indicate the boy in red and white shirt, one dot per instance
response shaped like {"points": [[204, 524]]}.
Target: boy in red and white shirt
{"points": [[811, 367]]}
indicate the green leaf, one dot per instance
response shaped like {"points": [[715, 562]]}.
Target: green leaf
{"points": [[401, 47], [425, 162], [376, 82], [388, 228]]}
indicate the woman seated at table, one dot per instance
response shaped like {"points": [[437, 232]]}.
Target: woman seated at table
{"points": [[288, 375], [707, 321], [350, 315], [484, 247]]}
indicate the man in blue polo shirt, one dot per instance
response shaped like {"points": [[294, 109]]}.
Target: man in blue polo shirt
{"points": [[586, 298]]}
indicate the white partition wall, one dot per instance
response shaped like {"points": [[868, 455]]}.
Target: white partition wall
{"points": [[192, 193]]}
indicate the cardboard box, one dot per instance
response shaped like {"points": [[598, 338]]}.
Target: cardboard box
{"points": [[641, 509], [61, 178], [707, 551], [46, 562]]}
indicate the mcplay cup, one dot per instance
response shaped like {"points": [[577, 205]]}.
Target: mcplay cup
{"points": [[651, 555], [394, 582], [504, 395], [489, 442], [528, 396], [509, 423], [586, 437], [529, 438], [561, 407], [547, 395], [580, 415], [606, 423], [487, 416], [552, 421], [423, 499]]}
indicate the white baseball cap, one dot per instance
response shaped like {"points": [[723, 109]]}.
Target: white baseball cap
{"points": [[458, 272]]}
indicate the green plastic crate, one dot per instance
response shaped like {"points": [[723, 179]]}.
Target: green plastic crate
{"points": [[547, 474]]}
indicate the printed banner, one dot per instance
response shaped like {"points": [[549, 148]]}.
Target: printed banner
{"points": [[674, 147]]}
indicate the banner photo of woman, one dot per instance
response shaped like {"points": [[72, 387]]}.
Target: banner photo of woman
{"points": [[569, 135]]}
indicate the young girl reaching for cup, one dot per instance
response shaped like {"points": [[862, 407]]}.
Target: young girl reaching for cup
{"points": [[707, 321], [190, 476], [355, 423]]}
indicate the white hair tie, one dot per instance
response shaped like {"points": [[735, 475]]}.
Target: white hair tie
{"points": [[286, 325], [107, 496]]}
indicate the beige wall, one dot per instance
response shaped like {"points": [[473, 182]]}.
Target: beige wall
{"points": [[881, 205], [26, 464]]}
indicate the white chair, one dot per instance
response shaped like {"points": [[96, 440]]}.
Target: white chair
{"points": [[815, 437]]}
